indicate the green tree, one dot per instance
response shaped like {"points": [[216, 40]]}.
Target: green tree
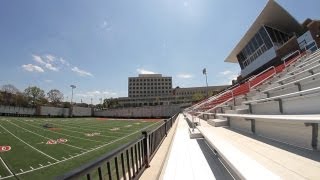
{"points": [[21, 100], [55, 96], [35, 95], [9, 92], [110, 103], [197, 97]]}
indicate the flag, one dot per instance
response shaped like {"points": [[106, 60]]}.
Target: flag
{"points": [[204, 71]]}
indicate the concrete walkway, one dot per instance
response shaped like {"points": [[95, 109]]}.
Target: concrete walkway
{"points": [[191, 159]]}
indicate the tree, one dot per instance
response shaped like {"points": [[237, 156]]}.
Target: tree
{"points": [[35, 95], [110, 103], [55, 96], [8, 94], [21, 100], [9, 88], [197, 97]]}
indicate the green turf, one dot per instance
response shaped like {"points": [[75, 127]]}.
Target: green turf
{"points": [[31, 157]]}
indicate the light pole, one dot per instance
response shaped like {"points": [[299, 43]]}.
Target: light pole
{"points": [[72, 87], [204, 71]]}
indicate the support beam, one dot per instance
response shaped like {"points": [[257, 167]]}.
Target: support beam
{"points": [[280, 105]]}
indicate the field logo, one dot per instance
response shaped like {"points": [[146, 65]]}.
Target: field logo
{"points": [[5, 148], [51, 141], [60, 141], [92, 134]]}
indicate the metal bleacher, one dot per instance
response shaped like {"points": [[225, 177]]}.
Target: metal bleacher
{"points": [[272, 118]]}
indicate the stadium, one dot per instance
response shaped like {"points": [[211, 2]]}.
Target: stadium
{"points": [[263, 126]]}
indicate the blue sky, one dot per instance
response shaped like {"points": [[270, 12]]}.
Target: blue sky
{"points": [[97, 45]]}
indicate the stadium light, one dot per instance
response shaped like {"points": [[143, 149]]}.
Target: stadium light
{"points": [[204, 71], [72, 87]]}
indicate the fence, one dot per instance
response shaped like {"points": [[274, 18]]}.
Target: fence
{"points": [[128, 161]]}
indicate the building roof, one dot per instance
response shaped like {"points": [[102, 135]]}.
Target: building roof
{"points": [[272, 15]]}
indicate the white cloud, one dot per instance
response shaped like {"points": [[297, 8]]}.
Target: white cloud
{"points": [[144, 71], [38, 59], [106, 25], [226, 72], [228, 76], [46, 61], [50, 57], [97, 94], [32, 68], [51, 67], [48, 81], [185, 76], [64, 62], [81, 72]]}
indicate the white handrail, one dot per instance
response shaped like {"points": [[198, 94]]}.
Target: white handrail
{"points": [[211, 98], [294, 94], [288, 56], [201, 113], [291, 83], [272, 67]]}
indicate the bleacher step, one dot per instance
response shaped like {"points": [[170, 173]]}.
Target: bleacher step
{"points": [[194, 133], [218, 122]]}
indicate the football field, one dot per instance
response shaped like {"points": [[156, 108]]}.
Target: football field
{"points": [[43, 148]]}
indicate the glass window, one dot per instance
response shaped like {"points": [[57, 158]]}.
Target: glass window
{"points": [[259, 39], [255, 44], [266, 39]]}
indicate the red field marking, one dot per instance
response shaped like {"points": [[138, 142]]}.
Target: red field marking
{"points": [[61, 140], [51, 141], [5, 148], [54, 129]]}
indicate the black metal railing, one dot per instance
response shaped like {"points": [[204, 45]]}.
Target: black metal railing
{"points": [[127, 161]]}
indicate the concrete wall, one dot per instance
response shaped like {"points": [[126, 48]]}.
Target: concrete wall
{"points": [[240, 124], [53, 111], [17, 110], [143, 112], [81, 111], [295, 133]]}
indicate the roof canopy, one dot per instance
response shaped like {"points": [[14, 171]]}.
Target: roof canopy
{"points": [[272, 15]]}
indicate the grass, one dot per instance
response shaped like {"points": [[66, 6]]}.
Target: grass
{"points": [[31, 157]]}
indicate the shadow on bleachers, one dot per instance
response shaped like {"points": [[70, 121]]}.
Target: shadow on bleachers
{"points": [[307, 153], [218, 169]]}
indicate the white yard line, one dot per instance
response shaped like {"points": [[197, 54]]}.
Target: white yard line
{"points": [[28, 144], [64, 134], [91, 128], [5, 165], [58, 162], [79, 131], [46, 137]]}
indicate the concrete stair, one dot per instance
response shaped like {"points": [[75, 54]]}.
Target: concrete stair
{"points": [[218, 122]]}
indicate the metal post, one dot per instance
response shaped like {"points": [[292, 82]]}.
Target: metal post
{"points": [[146, 148], [165, 127], [192, 123], [207, 85]]}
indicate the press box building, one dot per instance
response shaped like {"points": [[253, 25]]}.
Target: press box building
{"points": [[274, 35]]}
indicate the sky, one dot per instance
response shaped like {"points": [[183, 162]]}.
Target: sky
{"points": [[96, 45]]}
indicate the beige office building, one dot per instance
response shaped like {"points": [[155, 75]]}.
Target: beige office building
{"points": [[149, 85]]}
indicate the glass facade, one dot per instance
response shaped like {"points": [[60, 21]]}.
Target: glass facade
{"points": [[262, 41], [278, 37]]}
